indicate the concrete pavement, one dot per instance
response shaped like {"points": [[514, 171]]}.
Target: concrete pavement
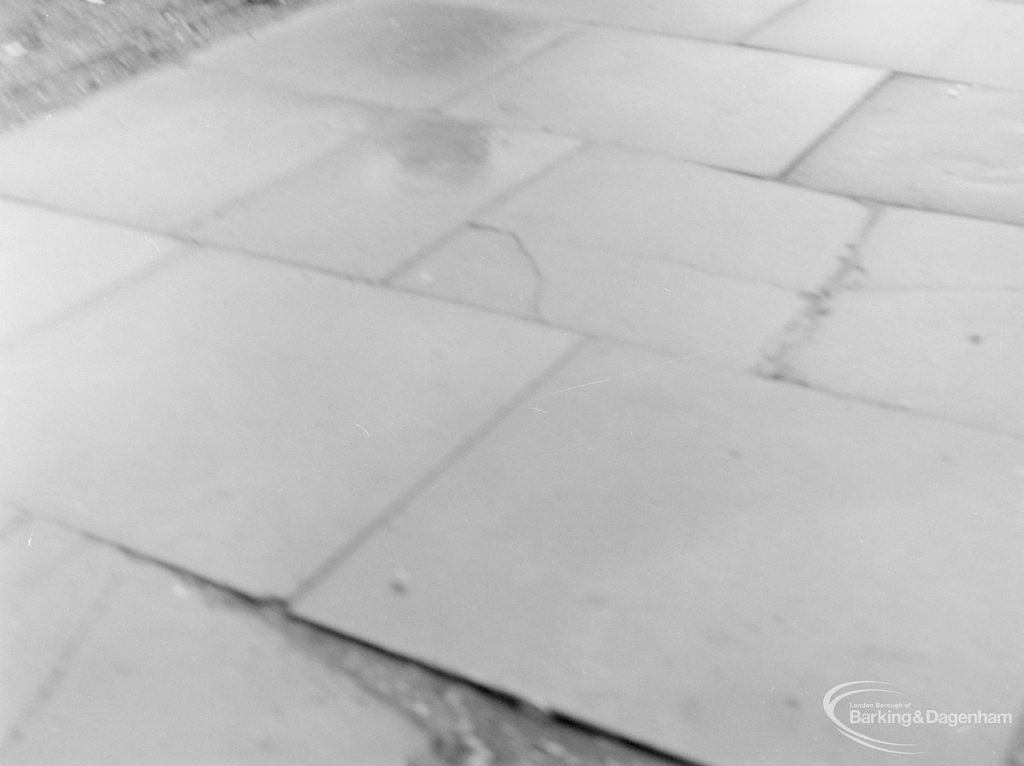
{"points": [[657, 368]]}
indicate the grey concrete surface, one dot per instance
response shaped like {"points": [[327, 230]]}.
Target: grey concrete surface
{"points": [[404, 367]]}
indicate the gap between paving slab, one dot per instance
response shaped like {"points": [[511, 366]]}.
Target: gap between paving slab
{"points": [[465, 724], [801, 329]]}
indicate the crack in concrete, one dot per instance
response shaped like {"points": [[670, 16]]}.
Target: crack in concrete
{"points": [[537, 299], [847, 276]]}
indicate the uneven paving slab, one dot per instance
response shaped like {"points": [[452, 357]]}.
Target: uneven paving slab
{"points": [[376, 202], [386, 51], [651, 302], [50, 262], [50, 585], [929, 144], [98, 677], [710, 19], [646, 485], [950, 353], [170, 146], [914, 249], [970, 41], [731, 107], [243, 419], [153, 672]]}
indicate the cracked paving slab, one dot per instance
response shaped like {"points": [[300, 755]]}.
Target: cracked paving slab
{"points": [[590, 289], [925, 319], [657, 252], [672, 210]]}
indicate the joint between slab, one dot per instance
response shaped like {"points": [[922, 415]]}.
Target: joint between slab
{"points": [[398, 506]]}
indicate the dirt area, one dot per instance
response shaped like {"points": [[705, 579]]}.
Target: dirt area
{"points": [[56, 52]]}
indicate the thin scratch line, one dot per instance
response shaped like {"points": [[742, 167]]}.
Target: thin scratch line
{"points": [[627, 374], [361, 428]]}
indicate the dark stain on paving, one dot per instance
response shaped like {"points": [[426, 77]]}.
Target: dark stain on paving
{"points": [[443, 150], [440, 39]]}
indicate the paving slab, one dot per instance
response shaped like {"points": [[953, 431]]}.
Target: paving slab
{"points": [[929, 144], [165, 675], [375, 203], [914, 249], [709, 554], [970, 41], [8, 515], [674, 256], [242, 419], [651, 302], [676, 212], [987, 50], [732, 107], [399, 53], [904, 35], [170, 146], [50, 584], [722, 20], [50, 262], [952, 354]]}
